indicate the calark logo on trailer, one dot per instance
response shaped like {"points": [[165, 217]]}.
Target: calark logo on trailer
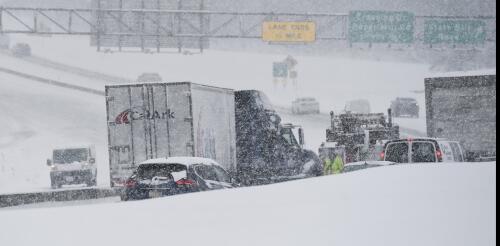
{"points": [[139, 113]]}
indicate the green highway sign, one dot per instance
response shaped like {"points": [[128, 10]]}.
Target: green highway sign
{"points": [[280, 70], [454, 32], [381, 27]]}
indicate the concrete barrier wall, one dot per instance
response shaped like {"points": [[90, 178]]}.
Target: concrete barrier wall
{"points": [[8, 200]]}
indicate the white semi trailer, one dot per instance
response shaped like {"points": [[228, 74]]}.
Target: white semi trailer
{"points": [[154, 120], [463, 108]]}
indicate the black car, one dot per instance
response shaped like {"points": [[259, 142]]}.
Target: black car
{"points": [[405, 107], [175, 175]]}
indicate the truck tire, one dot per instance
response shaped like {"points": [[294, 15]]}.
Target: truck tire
{"points": [[317, 169]]}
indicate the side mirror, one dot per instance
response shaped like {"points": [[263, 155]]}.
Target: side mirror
{"points": [[92, 160], [301, 137], [49, 162]]}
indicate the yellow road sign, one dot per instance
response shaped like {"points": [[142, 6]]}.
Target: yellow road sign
{"points": [[303, 32]]}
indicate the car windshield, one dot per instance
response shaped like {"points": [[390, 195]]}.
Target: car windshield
{"points": [[397, 152], [149, 171], [289, 137], [213, 173], [206, 172], [222, 175], [423, 152], [65, 156]]}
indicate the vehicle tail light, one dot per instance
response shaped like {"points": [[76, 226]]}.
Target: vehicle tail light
{"points": [[439, 155], [382, 155], [130, 183], [185, 182]]}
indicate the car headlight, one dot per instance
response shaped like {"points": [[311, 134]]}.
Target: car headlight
{"points": [[53, 168]]}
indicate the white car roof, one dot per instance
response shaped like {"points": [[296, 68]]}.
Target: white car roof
{"points": [[187, 161], [425, 138]]}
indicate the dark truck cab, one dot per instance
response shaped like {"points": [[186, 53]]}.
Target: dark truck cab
{"points": [[267, 150], [405, 107]]}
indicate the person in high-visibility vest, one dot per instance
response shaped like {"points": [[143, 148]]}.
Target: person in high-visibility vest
{"points": [[333, 166], [328, 166], [338, 165]]}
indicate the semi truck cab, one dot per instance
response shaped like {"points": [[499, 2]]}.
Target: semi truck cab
{"points": [[267, 150], [73, 166]]}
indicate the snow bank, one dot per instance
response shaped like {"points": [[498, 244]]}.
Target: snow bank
{"points": [[445, 204]]}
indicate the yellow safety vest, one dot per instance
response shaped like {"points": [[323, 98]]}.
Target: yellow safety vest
{"points": [[338, 165], [328, 169]]}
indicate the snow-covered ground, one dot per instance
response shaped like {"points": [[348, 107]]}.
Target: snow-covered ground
{"points": [[421, 204]]}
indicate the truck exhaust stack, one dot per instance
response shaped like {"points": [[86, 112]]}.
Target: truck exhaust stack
{"points": [[332, 120], [389, 115]]}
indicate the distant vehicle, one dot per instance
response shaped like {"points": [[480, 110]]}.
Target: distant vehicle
{"points": [[305, 105], [358, 107], [421, 150], [21, 50], [405, 107], [4, 41], [358, 137], [464, 108], [175, 175], [149, 77], [73, 166]]}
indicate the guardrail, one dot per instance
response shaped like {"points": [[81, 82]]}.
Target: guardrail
{"points": [[52, 82], [9, 200]]}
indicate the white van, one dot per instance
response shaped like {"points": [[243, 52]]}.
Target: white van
{"points": [[305, 105], [420, 150]]}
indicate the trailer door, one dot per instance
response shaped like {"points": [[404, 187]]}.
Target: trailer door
{"points": [[180, 125], [121, 131]]}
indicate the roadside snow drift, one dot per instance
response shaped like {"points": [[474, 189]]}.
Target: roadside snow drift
{"points": [[433, 204]]}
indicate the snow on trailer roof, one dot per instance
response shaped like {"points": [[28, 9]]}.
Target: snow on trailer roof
{"points": [[187, 161], [463, 73], [74, 146], [167, 83]]}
